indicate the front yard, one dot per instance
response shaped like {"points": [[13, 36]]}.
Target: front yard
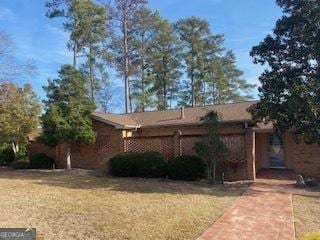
{"points": [[78, 205], [306, 214]]}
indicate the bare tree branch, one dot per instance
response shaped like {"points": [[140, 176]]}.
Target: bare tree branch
{"points": [[9, 66]]}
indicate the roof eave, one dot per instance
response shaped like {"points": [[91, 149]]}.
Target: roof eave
{"points": [[114, 124], [198, 123]]}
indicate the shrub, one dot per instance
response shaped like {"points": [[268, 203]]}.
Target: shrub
{"points": [[150, 164], [6, 156], [21, 162], [188, 168], [122, 165], [41, 161]]}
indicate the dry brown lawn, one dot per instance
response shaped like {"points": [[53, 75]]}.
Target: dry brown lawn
{"points": [[306, 214], [79, 205]]}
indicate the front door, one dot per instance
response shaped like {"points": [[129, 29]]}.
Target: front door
{"points": [[276, 151]]}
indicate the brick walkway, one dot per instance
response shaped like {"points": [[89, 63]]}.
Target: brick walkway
{"points": [[264, 212]]}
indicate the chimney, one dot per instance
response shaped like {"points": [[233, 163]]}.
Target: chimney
{"points": [[182, 112]]}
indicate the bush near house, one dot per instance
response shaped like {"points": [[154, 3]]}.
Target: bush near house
{"points": [[22, 162], [188, 168], [6, 155], [41, 161], [122, 165], [149, 164]]}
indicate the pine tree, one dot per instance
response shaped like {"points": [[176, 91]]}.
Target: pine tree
{"points": [[66, 9], [224, 81], [86, 21], [165, 65], [193, 33], [67, 110], [123, 13], [93, 23], [213, 74], [145, 29]]}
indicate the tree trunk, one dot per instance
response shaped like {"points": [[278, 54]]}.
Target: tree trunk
{"points": [[126, 63], [69, 156], [130, 100], [213, 94], [214, 171], [15, 149], [204, 93], [91, 73], [164, 97], [74, 54], [142, 75], [193, 100], [164, 85]]}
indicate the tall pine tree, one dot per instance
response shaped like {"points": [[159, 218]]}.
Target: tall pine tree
{"points": [[145, 29], [165, 65], [86, 21], [213, 76], [123, 12], [193, 33]]}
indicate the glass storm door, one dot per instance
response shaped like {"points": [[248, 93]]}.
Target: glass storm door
{"points": [[276, 151]]}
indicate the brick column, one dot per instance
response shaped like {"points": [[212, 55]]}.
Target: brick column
{"points": [[250, 154], [177, 144]]}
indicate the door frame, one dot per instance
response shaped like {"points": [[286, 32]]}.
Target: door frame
{"points": [[283, 149]]}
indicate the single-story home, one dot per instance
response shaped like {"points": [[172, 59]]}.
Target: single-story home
{"points": [[251, 146]]}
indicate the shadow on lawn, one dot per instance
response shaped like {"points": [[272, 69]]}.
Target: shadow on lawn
{"points": [[82, 180]]}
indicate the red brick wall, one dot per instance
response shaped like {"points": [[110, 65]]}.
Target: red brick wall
{"points": [[110, 142], [236, 144], [94, 156], [303, 158], [37, 147]]}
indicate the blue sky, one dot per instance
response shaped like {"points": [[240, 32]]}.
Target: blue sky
{"points": [[243, 22]]}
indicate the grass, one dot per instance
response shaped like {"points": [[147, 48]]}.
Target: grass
{"points": [[78, 205], [306, 214]]}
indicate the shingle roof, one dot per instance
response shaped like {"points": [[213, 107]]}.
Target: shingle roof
{"points": [[232, 112]]}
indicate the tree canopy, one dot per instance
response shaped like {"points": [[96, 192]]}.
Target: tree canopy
{"points": [[162, 64], [290, 86], [68, 109], [19, 114]]}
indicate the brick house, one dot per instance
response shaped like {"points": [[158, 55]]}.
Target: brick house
{"points": [[174, 132]]}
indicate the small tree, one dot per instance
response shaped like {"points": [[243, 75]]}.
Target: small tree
{"points": [[211, 148], [68, 108], [19, 114]]}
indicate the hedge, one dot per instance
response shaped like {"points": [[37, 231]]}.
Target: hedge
{"points": [[148, 165], [41, 161], [151, 164], [6, 156], [21, 163], [188, 168]]}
